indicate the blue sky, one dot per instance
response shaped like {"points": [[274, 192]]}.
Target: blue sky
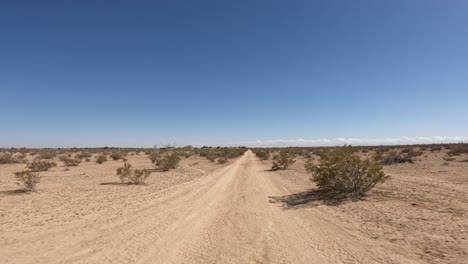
{"points": [[138, 73]]}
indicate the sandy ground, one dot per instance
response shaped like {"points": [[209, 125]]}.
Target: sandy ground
{"points": [[234, 213]]}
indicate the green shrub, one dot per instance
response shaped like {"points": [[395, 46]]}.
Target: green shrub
{"points": [[283, 160], [168, 161], [41, 165], [101, 159], [261, 153], [29, 178], [341, 171], [134, 176]]}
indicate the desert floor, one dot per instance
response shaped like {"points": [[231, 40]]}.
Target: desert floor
{"points": [[238, 212]]}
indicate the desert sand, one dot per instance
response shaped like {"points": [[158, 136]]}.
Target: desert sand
{"points": [[239, 212]]}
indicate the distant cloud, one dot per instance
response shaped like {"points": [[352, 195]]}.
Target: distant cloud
{"points": [[350, 141]]}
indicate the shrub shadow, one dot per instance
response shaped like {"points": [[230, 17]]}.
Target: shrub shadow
{"points": [[308, 199], [122, 184], [15, 192]]}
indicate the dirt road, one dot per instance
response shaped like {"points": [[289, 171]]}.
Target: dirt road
{"points": [[225, 217]]}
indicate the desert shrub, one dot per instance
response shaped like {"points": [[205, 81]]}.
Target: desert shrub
{"points": [[341, 171], [262, 154], [83, 155], [394, 158], [47, 155], [87, 159], [135, 176], [283, 160], [222, 160], [7, 158], [458, 149], [168, 161], [116, 156], [153, 156], [448, 158], [29, 178], [41, 165], [70, 162], [101, 159]]}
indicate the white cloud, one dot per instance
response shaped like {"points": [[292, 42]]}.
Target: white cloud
{"points": [[350, 141]]}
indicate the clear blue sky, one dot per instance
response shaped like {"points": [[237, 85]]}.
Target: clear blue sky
{"points": [[137, 73]]}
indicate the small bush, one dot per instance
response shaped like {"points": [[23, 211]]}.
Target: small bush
{"points": [[394, 158], [341, 171], [71, 162], [153, 156], [7, 158], [47, 155], [222, 160], [262, 154], [168, 161], [83, 155], [29, 178], [101, 159], [135, 176], [116, 156], [283, 160], [41, 165]]}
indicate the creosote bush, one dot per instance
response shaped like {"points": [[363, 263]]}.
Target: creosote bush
{"points": [[222, 160], [283, 160], [41, 165], [71, 162], [168, 161], [343, 172], [261, 153], [153, 156], [7, 158], [29, 178], [116, 156], [135, 176], [394, 158], [101, 159]]}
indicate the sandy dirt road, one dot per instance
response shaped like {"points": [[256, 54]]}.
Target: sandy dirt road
{"points": [[225, 217]]}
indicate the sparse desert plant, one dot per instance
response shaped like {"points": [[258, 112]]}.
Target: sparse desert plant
{"points": [[101, 159], [394, 158], [283, 160], [29, 178], [168, 161], [41, 165], [87, 159], [47, 155], [83, 155], [262, 154], [448, 158], [153, 156], [7, 158], [116, 156], [222, 160], [458, 149], [71, 162], [136, 176], [342, 172]]}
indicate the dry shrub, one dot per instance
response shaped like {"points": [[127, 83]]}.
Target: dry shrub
{"points": [[101, 159], [394, 158], [153, 156], [222, 160], [41, 165], [47, 155], [283, 160], [71, 162], [342, 172], [7, 158], [168, 161], [83, 155], [458, 149], [134, 176], [116, 156], [29, 178]]}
